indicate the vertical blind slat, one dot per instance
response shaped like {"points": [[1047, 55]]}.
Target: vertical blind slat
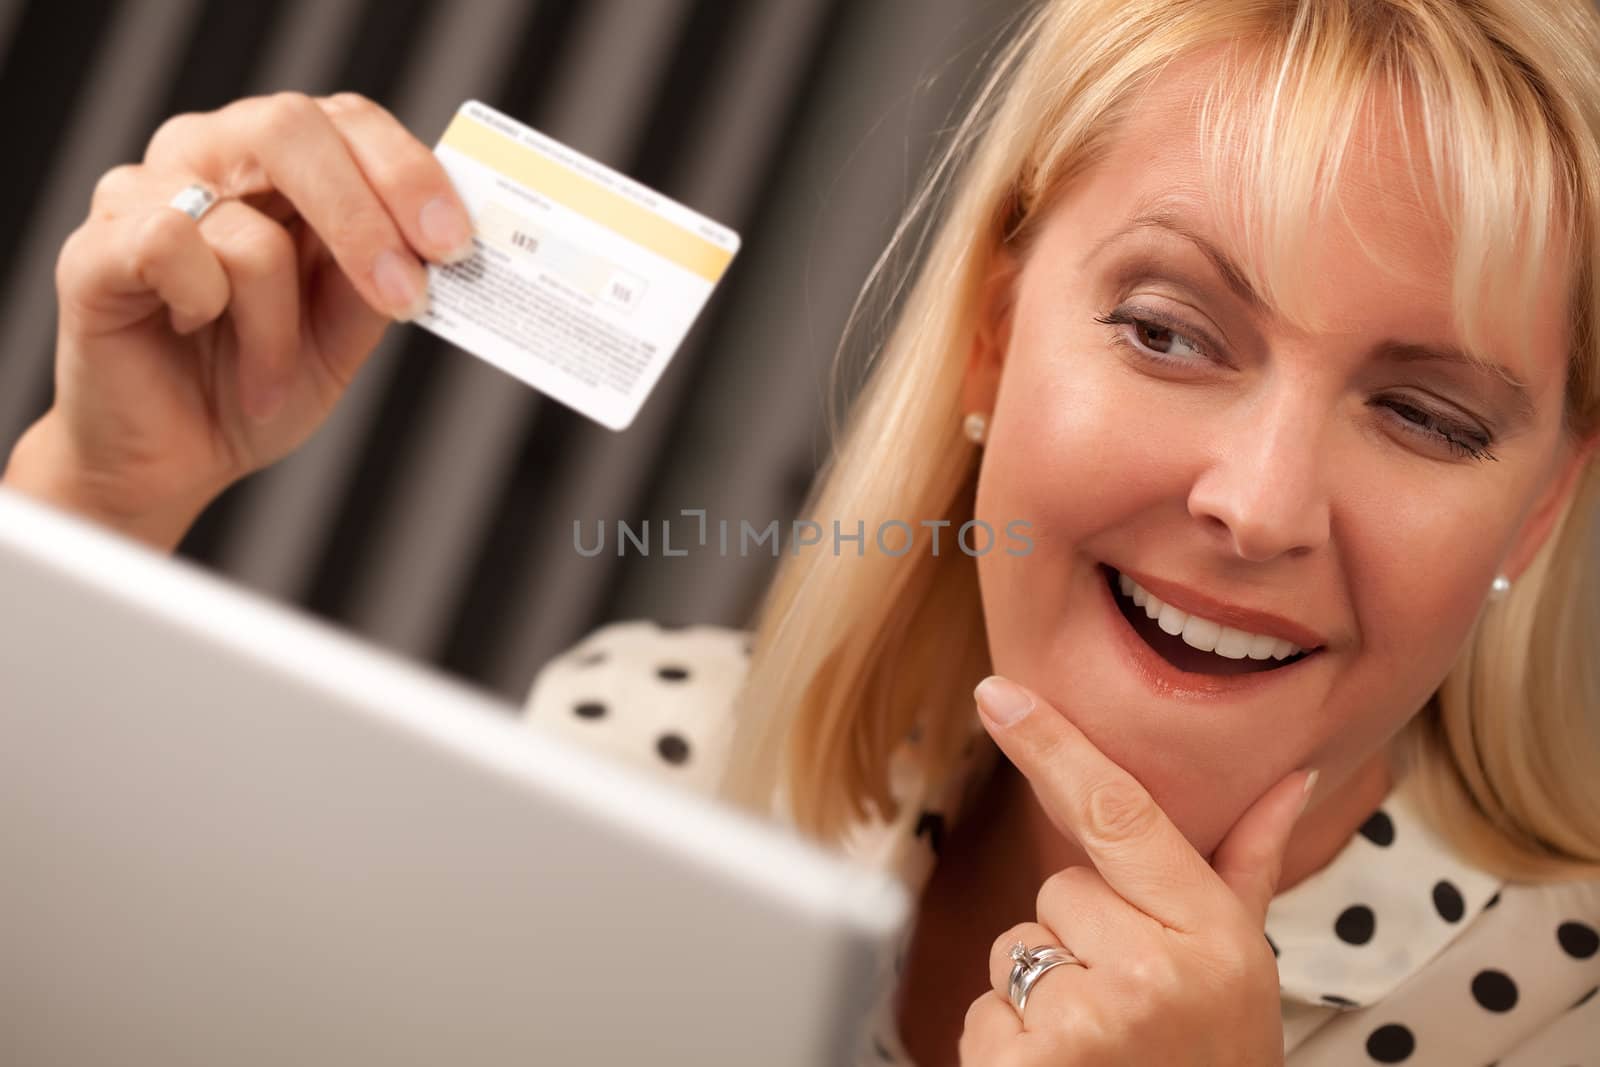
{"points": [[565, 465], [49, 70], [10, 15], [462, 433], [307, 47], [788, 47], [753, 125], [283, 525], [376, 54], [866, 130], [375, 478], [726, 167], [127, 77]]}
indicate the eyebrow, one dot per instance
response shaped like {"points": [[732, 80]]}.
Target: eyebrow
{"points": [[1164, 218]]}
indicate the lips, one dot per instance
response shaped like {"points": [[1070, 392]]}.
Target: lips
{"points": [[1172, 667], [1193, 602]]}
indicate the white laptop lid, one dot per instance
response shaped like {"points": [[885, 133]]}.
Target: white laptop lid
{"points": [[230, 834]]}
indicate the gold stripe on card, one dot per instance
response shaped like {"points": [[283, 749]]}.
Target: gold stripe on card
{"points": [[632, 220]]}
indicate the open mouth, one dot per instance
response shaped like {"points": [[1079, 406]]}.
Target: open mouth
{"points": [[1177, 652]]}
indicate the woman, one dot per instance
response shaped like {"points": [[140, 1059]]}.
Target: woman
{"points": [[1277, 324]]}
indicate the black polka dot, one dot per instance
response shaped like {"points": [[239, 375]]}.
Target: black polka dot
{"points": [[1272, 945], [1494, 990], [1391, 1043], [1447, 901], [1338, 1001], [673, 748], [589, 659], [589, 709], [1355, 925], [671, 672], [931, 824], [1578, 940], [883, 1053], [1581, 1001], [1379, 829], [1492, 900]]}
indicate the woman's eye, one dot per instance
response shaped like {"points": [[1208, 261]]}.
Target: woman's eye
{"points": [[1154, 337], [1158, 339], [1437, 430]]}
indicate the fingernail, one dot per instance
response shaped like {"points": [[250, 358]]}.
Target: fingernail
{"points": [[463, 253], [1002, 700], [398, 286], [447, 229], [1305, 797]]}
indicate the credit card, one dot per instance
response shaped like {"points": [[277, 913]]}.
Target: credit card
{"points": [[583, 283]]}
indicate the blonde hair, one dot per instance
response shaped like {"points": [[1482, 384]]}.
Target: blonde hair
{"points": [[851, 653]]}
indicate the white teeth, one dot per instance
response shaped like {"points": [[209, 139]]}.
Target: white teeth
{"points": [[1261, 646], [1202, 633], [1235, 644]]}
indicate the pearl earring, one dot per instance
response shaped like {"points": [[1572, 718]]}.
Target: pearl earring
{"points": [[975, 426], [1499, 587]]}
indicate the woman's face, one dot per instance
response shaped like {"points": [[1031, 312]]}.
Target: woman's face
{"points": [[1239, 466]]}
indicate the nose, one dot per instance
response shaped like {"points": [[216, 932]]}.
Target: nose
{"points": [[1263, 492]]}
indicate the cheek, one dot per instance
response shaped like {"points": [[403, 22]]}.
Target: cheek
{"points": [[1072, 449], [1065, 456], [1418, 572]]}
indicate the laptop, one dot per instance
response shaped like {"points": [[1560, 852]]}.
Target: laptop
{"points": [[232, 834]]}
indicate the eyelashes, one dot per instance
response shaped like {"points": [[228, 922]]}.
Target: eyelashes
{"points": [[1422, 422], [1414, 419], [1145, 320]]}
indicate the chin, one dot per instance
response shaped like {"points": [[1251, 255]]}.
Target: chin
{"points": [[1184, 721]]}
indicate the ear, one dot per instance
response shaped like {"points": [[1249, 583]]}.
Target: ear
{"points": [[991, 335], [1536, 527]]}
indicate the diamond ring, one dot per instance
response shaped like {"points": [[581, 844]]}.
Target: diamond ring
{"points": [[1028, 964], [194, 200]]}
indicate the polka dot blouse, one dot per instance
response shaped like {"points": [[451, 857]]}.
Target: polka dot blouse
{"points": [[1397, 952]]}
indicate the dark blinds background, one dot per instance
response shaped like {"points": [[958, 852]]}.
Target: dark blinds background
{"points": [[433, 513]]}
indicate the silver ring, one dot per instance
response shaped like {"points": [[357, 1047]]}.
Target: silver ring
{"points": [[1028, 964], [194, 200]]}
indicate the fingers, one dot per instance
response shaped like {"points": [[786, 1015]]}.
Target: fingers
{"points": [[288, 144], [406, 175], [992, 1024], [1033, 935], [373, 196], [1088, 916], [259, 258], [112, 272], [1060, 978], [342, 330], [1097, 802], [1049, 1000], [235, 259]]}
